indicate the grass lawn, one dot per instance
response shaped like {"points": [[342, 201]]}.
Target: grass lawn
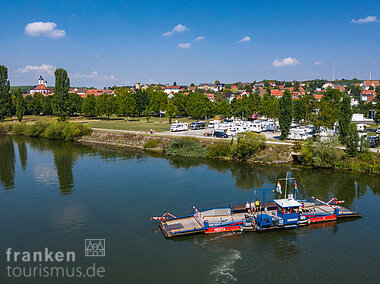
{"points": [[134, 123]]}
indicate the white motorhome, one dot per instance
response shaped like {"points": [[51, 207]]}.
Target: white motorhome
{"points": [[361, 127], [256, 127], [213, 123], [299, 134], [178, 126]]}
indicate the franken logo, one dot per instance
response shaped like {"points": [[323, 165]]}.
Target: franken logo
{"points": [[95, 247], [40, 256]]}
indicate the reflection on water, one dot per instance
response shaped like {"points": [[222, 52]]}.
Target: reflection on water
{"points": [[322, 183], [71, 192], [22, 150], [7, 162]]}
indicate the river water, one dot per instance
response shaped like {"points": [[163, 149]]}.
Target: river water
{"points": [[56, 194]]}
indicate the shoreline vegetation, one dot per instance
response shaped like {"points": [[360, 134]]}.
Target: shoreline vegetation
{"points": [[249, 147]]}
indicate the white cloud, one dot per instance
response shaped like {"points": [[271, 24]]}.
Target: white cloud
{"points": [[44, 28], [92, 75], [44, 69], [184, 45], [318, 63], [96, 55], [110, 77], [177, 29], [245, 39], [200, 38], [285, 62], [368, 19]]}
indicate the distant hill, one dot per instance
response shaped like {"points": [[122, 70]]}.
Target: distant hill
{"points": [[25, 89]]}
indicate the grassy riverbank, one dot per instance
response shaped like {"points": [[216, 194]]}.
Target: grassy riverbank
{"points": [[53, 130], [250, 148], [116, 123]]}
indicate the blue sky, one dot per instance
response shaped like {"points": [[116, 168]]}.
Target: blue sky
{"points": [[104, 43]]}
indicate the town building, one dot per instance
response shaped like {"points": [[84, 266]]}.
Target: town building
{"points": [[42, 88]]}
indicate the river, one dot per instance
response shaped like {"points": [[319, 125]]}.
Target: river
{"points": [[56, 194]]}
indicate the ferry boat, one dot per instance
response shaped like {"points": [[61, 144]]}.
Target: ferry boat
{"points": [[281, 213]]}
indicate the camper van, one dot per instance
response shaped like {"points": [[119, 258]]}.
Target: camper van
{"points": [[198, 125], [213, 123], [299, 134], [178, 126]]}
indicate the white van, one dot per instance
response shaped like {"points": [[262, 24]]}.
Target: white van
{"points": [[179, 127]]}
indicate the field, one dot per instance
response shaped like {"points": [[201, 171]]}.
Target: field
{"points": [[121, 123]]}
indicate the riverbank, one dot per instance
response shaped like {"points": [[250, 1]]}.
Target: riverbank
{"points": [[186, 146], [226, 150], [253, 148]]}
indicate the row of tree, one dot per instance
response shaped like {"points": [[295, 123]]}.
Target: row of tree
{"points": [[59, 105]]}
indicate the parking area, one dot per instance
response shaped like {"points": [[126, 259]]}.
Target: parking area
{"points": [[200, 133]]}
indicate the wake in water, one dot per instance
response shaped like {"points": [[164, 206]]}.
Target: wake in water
{"points": [[223, 272]]}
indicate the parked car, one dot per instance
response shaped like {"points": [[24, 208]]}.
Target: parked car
{"points": [[378, 130], [208, 133], [373, 141], [220, 134]]}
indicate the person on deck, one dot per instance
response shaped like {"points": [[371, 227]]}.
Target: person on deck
{"points": [[253, 209], [257, 205], [248, 207]]}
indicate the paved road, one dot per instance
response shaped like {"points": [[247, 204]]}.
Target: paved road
{"points": [[200, 134]]}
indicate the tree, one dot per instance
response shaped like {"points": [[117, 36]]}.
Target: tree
{"points": [[35, 104], [180, 100], [303, 109], [352, 140], [105, 105], [217, 82], [198, 105], [285, 114], [20, 105], [329, 109], [345, 118], [175, 84], [239, 107], [270, 108], [253, 103], [223, 108], [61, 94], [74, 103], [158, 101], [377, 115], [142, 101], [5, 95], [125, 104], [171, 111], [88, 106], [47, 105]]}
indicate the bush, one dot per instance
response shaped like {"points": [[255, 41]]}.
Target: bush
{"points": [[37, 129], [5, 128], [75, 130], [186, 146], [321, 154], [54, 131], [152, 143], [248, 145], [218, 150], [297, 146], [19, 128]]}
